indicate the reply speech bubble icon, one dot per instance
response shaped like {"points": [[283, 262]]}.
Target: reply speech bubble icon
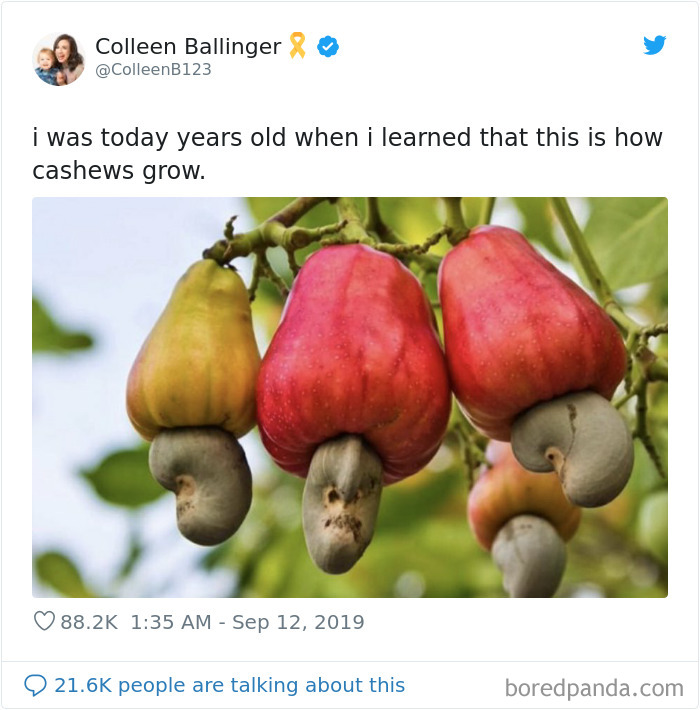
{"points": [[35, 684]]}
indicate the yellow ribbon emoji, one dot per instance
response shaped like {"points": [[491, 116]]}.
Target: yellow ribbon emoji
{"points": [[297, 40]]}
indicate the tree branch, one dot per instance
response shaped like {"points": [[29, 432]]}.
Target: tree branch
{"points": [[641, 431], [454, 219], [580, 247], [295, 210]]}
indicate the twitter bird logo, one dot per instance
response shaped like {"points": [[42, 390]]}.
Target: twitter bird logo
{"points": [[654, 46]]}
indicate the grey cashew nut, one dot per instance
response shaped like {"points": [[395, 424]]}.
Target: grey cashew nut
{"points": [[584, 439], [207, 470], [531, 556], [341, 502]]}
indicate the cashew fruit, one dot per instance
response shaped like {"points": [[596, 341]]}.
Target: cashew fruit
{"points": [[356, 354], [507, 489], [199, 365], [518, 332], [191, 392], [523, 519], [534, 360]]}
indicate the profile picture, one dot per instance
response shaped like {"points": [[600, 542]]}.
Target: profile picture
{"points": [[58, 60]]}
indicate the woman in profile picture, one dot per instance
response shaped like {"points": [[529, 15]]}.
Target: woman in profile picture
{"points": [[70, 61]]}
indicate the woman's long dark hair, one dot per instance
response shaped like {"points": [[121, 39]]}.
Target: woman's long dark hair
{"points": [[74, 58]]}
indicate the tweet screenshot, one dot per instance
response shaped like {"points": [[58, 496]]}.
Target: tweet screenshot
{"points": [[349, 375]]}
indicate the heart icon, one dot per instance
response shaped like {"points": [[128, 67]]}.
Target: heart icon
{"points": [[44, 619]]}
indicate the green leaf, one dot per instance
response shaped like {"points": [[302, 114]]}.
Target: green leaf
{"points": [[652, 525], [55, 570], [538, 222], [49, 336], [123, 478], [629, 238]]}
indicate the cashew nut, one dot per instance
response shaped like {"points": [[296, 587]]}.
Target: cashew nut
{"points": [[207, 470], [531, 556], [341, 502], [584, 439]]}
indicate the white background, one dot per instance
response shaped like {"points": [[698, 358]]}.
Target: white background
{"points": [[409, 66]]}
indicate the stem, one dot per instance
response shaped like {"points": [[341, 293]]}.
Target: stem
{"points": [[295, 210], [353, 231], [472, 447], [279, 231], [657, 371], [573, 233], [486, 210], [454, 219], [292, 261], [653, 331], [641, 431], [600, 286], [295, 238], [228, 227], [376, 225], [269, 234], [373, 221], [348, 210], [255, 280], [403, 249], [632, 392], [624, 322], [453, 208], [270, 273], [630, 346]]}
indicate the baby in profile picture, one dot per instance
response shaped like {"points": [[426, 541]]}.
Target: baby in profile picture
{"points": [[48, 69]]}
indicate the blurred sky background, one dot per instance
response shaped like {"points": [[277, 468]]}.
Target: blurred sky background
{"points": [[108, 266]]}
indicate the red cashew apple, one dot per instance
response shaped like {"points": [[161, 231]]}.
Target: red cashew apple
{"points": [[353, 392], [524, 519], [534, 360]]}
